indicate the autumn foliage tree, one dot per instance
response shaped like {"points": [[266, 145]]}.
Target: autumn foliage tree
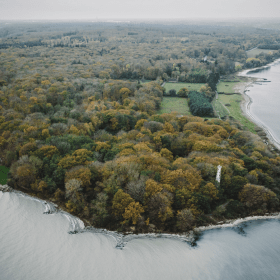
{"points": [[86, 133]]}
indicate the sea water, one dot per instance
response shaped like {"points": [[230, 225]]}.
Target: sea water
{"points": [[36, 246], [265, 96]]}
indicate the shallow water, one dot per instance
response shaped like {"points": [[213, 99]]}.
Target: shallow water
{"points": [[266, 98], [37, 246]]}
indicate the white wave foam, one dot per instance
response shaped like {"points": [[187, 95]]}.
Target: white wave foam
{"points": [[47, 208], [189, 237], [50, 208], [236, 222], [75, 224], [121, 239]]}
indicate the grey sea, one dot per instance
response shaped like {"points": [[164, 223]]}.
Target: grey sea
{"points": [[36, 246], [266, 98]]}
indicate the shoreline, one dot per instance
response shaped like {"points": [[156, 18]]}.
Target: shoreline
{"points": [[235, 222], [77, 225], [245, 105]]}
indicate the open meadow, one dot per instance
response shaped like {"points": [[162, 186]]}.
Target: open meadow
{"points": [[178, 86], [174, 104], [220, 108], [230, 85], [256, 51], [227, 87], [234, 109]]}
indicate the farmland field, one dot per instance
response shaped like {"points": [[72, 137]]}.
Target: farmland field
{"points": [[178, 86], [174, 104]]}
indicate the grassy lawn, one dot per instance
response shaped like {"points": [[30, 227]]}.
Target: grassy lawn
{"points": [[235, 110], [220, 109], [227, 87], [3, 174], [178, 86], [255, 52], [180, 105], [174, 104]]}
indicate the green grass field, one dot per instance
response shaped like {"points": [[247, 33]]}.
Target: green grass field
{"points": [[174, 104], [227, 87], [220, 109], [3, 174], [235, 109], [180, 105], [178, 86], [255, 52]]}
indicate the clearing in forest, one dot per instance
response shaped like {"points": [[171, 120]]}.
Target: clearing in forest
{"points": [[178, 86], [174, 104], [255, 52], [227, 87]]}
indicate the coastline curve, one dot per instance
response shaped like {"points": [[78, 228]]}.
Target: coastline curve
{"points": [[76, 225], [246, 104]]}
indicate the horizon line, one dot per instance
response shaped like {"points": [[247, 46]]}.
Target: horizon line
{"points": [[96, 19]]}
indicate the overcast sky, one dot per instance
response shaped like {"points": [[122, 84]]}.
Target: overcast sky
{"points": [[140, 9]]}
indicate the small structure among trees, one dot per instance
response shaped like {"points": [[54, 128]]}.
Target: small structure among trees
{"points": [[218, 177]]}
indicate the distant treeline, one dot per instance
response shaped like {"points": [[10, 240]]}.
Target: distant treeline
{"points": [[21, 45], [270, 46], [62, 45]]}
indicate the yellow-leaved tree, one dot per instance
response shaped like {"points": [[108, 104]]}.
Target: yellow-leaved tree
{"points": [[79, 157], [158, 201], [133, 212], [80, 173], [257, 197], [120, 202]]}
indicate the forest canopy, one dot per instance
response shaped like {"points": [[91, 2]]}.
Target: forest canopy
{"points": [[79, 124]]}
